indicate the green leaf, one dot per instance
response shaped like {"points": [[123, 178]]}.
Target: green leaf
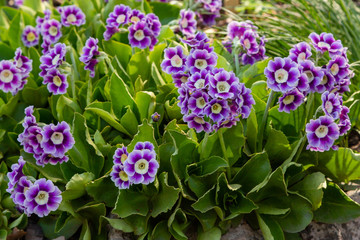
{"points": [[131, 203], [118, 224], [165, 12], [166, 198], [120, 50], [36, 96], [208, 166], [212, 234], [146, 102], [177, 223], [35, 57], [92, 212], [156, 54], [20, 222], [254, 72], [159, 81], [270, 228], [161, 231], [277, 146], [97, 188], [85, 231], [65, 108], [253, 172], [129, 121], [67, 223], [311, 187], [15, 30], [145, 133], [252, 131], [223, 63], [84, 153], [165, 33], [75, 188], [336, 206], [139, 66], [6, 52]]}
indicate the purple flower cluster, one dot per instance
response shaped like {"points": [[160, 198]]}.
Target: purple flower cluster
{"points": [[90, 52], [143, 29], [39, 197], [13, 74], [210, 98], [245, 41], [297, 75], [47, 144], [50, 63], [137, 167]]}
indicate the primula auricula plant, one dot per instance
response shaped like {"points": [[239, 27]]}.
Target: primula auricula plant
{"points": [[152, 127]]}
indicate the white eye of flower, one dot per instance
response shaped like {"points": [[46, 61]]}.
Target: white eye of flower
{"points": [[222, 87], [19, 63], [123, 176], [199, 83], [55, 59], [123, 157], [321, 131], [57, 81], [53, 31], [324, 44], [39, 137], [334, 69], [184, 79], [71, 18], [200, 102], [6, 76], [329, 107], [216, 108], [301, 57], [247, 43], [141, 166], [139, 35], [288, 99], [120, 19], [309, 75], [57, 138], [199, 120], [30, 37], [134, 19], [184, 23], [201, 64], [324, 80], [42, 198], [281, 75], [176, 61]]}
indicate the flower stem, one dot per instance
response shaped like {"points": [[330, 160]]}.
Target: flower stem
{"points": [[73, 73], [223, 148], [237, 66], [264, 119]]}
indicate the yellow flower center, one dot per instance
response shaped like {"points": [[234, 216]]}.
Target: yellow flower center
{"points": [[57, 81], [30, 37]]}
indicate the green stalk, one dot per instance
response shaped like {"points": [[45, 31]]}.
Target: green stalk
{"points": [[264, 119], [74, 72], [223, 148], [110, 65], [237, 66]]}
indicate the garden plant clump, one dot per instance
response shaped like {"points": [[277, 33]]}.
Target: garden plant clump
{"points": [[126, 114]]}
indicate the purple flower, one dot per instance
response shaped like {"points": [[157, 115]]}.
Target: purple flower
{"points": [[187, 22], [195, 40], [300, 52], [321, 133], [174, 61], [31, 139], [90, 51], [153, 23], [18, 194], [184, 94], [290, 101], [343, 86], [200, 59], [120, 177], [197, 122], [282, 74], [208, 19], [339, 68], [136, 16], [10, 77], [141, 166], [109, 32], [155, 117], [56, 82], [40, 21], [344, 123], [140, 35], [42, 197], [217, 110], [71, 15], [212, 5], [327, 83], [303, 84], [57, 139], [314, 74], [244, 101], [23, 63], [15, 174], [120, 16], [223, 85], [53, 59], [45, 158], [237, 29], [51, 29], [29, 119], [180, 78], [144, 145], [331, 104], [326, 42], [120, 156], [46, 46], [199, 80], [30, 36], [197, 102], [248, 41]]}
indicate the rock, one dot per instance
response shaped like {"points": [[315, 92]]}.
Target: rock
{"points": [[242, 232], [34, 232]]}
